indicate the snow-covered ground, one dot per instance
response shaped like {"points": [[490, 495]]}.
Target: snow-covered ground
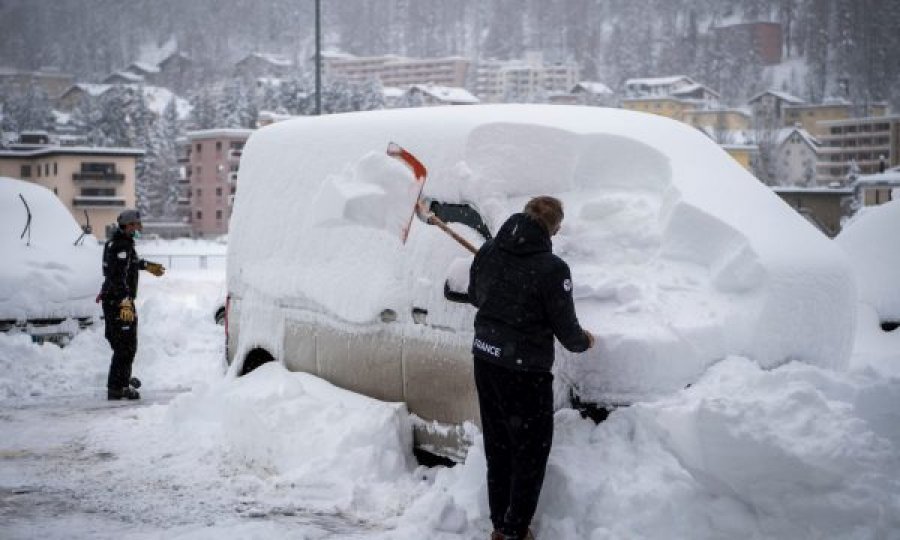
{"points": [[793, 452]]}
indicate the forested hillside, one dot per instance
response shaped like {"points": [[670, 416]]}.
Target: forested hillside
{"points": [[837, 48]]}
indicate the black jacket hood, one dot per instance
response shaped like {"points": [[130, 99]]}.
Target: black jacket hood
{"points": [[523, 235]]}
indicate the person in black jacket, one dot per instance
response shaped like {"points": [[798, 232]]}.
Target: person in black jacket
{"points": [[120, 271], [523, 293]]}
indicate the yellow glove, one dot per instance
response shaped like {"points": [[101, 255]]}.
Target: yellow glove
{"points": [[155, 268], [126, 310]]}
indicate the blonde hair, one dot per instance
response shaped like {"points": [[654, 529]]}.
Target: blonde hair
{"points": [[546, 210]]}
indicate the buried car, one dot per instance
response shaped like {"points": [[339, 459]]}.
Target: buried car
{"points": [[679, 256], [51, 270]]}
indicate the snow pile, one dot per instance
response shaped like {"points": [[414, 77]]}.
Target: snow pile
{"points": [[797, 452], [44, 275], [680, 257]]}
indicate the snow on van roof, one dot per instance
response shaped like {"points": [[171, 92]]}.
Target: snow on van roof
{"points": [[43, 274], [871, 240], [679, 256]]}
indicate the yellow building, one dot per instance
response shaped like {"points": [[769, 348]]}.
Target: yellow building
{"points": [[98, 181], [718, 119], [669, 107], [742, 153]]}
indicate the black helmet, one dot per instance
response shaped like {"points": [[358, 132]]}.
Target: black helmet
{"points": [[128, 216]]}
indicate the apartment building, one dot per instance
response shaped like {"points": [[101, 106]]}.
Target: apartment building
{"points": [[95, 184], [52, 82], [450, 71], [393, 70], [809, 116], [864, 146], [528, 78], [210, 160]]}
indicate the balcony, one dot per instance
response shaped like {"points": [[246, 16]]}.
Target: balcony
{"points": [[184, 201], [98, 176], [235, 153], [98, 202], [232, 177]]}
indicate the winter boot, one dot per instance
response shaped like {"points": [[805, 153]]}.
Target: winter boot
{"points": [[122, 393]]}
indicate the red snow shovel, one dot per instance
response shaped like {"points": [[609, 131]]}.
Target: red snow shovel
{"points": [[421, 208]]}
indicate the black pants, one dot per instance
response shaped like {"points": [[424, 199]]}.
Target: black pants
{"points": [[122, 337], [517, 422]]}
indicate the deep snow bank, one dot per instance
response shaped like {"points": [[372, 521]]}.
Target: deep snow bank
{"points": [[680, 257], [795, 452]]}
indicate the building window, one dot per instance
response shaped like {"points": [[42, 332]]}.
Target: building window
{"points": [[219, 215], [55, 170], [98, 192], [25, 171], [199, 215], [218, 146], [218, 192], [46, 169], [98, 167], [38, 170], [199, 148], [199, 192]]}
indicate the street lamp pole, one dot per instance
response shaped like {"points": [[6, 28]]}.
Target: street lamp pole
{"points": [[318, 58]]}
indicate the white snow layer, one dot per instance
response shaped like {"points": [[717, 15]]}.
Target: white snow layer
{"points": [[873, 245], [680, 257], [793, 452], [43, 274]]}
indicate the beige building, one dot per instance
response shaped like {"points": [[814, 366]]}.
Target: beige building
{"points": [[823, 207], [531, 77], [210, 160], [809, 116], [392, 70], [859, 145], [98, 181], [54, 83]]}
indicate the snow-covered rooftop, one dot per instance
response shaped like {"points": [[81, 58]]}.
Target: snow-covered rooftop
{"points": [[784, 133], [659, 81], [144, 66], [593, 87], [272, 58], [784, 96], [446, 94]]}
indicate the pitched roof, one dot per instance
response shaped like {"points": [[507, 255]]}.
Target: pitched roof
{"points": [[592, 87], [446, 94], [783, 96]]}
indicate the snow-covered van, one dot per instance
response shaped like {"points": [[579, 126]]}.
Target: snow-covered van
{"points": [[51, 270], [680, 257]]}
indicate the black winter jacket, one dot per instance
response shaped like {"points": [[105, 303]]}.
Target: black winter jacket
{"points": [[523, 293], [120, 268]]}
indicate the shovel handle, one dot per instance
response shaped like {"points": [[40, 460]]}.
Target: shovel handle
{"points": [[434, 220]]}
